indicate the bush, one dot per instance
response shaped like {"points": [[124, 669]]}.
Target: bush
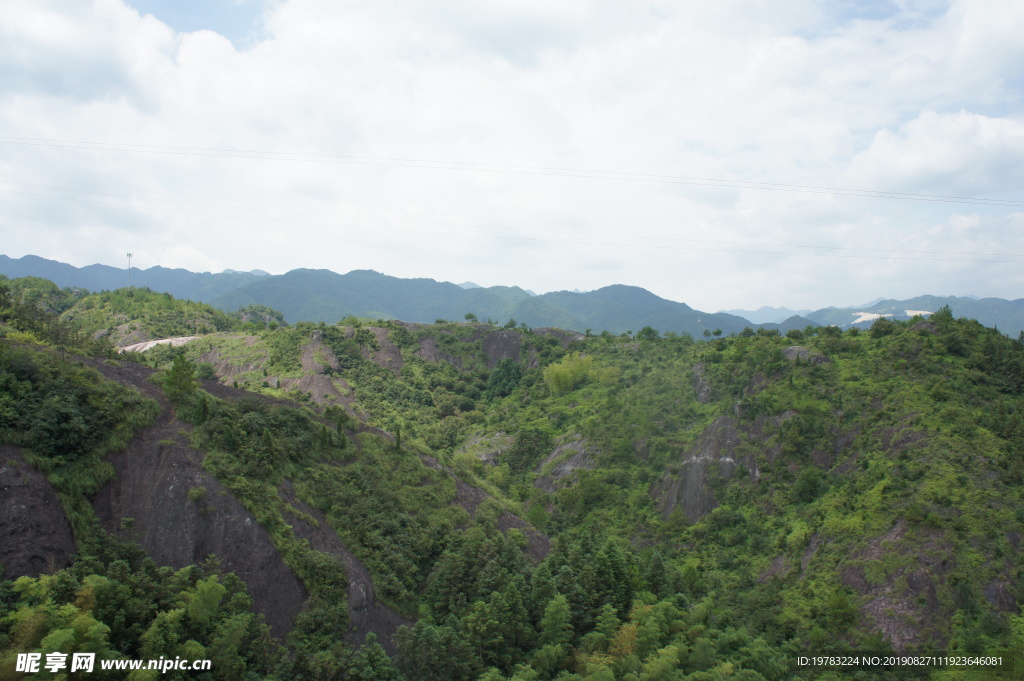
{"points": [[569, 374], [504, 378], [530, 446], [205, 371]]}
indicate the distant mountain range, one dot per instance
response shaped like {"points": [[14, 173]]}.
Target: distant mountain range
{"points": [[1006, 315], [767, 315], [200, 286], [322, 295]]}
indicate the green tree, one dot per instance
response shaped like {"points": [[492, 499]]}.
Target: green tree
{"points": [[655, 575], [612, 584], [648, 334], [568, 374], [260, 316], [366, 338], [427, 652], [556, 625], [531, 444], [840, 612], [371, 663], [401, 337], [542, 589], [504, 378], [204, 601], [180, 380], [663, 665], [943, 317], [809, 484]]}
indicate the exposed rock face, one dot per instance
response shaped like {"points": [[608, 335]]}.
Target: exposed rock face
{"points": [[795, 352], [903, 613], [567, 458], [688, 486], [149, 502], [498, 344], [488, 448], [229, 369], [317, 359], [430, 351], [35, 537], [701, 384], [469, 497], [153, 478], [388, 355], [564, 337], [780, 567], [538, 546], [502, 344]]}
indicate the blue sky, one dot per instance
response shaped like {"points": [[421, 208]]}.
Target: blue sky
{"points": [[237, 20], [714, 153]]}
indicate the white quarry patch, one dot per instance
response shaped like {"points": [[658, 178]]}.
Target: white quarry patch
{"points": [[915, 313], [146, 345], [868, 317]]}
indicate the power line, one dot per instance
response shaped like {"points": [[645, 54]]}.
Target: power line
{"points": [[520, 238], [500, 168], [492, 227]]}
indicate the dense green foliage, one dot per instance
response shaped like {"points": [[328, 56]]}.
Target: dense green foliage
{"points": [[68, 419], [113, 601], [260, 316], [504, 378], [32, 306], [42, 294], [153, 315], [118, 604], [716, 508], [841, 442]]}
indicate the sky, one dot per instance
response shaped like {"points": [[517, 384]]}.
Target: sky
{"points": [[727, 155]]}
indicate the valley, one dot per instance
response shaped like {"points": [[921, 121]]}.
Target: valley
{"points": [[464, 500]]}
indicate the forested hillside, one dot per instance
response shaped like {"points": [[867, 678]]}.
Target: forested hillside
{"points": [[516, 503]]}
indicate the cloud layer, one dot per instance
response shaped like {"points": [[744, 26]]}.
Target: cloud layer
{"points": [[431, 138]]}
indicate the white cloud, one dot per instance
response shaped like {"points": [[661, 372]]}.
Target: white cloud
{"points": [[912, 98], [957, 153]]}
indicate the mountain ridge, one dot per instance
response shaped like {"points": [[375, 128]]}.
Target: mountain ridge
{"points": [[324, 295]]}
